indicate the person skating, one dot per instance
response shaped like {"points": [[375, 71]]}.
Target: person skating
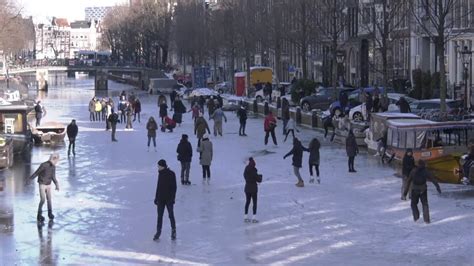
{"points": [[38, 113], [163, 111], [122, 107], [269, 126], [108, 112], [242, 114], [72, 131], [113, 119], [137, 109], [185, 154], [297, 159], [169, 124], [206, 152], [92, 109], [328, 123], [314, 159], [129, 114], [417, 181], [98, 110], [211, 106], [173, 96], [46, 174], [165, 197], [103, 114], [179, 110], [151, 127], [217, 116], [200, 127], [195, 111], [290, 128], [285, 113], [408, 164], [352, 150], [251, 177]]}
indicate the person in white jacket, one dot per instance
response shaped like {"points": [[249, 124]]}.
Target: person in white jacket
{"points": [[290, 128]]}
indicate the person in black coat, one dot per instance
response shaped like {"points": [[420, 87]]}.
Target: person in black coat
{"points": [[251, 189], [369, 104], [173, 95], [185, 154], [242, 114], [163, 111], [165, 197], [297, 152], [113, 119], [72, 131], [313, 161], [408, 164], [327, 123], [352, 150], [417, 181], [344, 100], [403, 105]]}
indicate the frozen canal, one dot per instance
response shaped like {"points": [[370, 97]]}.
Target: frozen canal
{"points": [[105, 212]]}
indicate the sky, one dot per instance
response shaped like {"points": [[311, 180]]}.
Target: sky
{"points": [[71, 9]]}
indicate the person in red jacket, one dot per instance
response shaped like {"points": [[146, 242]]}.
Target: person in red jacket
{"points": [[169, 124], [269, 127]]}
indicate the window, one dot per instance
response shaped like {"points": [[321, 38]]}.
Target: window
{"points": [[11, 123]]}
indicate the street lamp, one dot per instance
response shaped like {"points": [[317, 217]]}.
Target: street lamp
{"points": [[466, 60]]}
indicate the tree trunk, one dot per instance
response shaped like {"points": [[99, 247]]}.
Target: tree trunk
{"points": [[442, 73], [164, 55]]}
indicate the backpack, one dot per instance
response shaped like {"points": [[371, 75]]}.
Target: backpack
{"points": [[419, 178]]}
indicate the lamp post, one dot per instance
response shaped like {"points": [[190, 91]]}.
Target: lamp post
{"points": [[466, 60], [340, 57]]}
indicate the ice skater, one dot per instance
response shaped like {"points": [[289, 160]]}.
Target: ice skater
{"points": [[242, 114], [137, 109], [328, 123], [129, 114], [151, 127], [38, 113], [290, 128], [269, 126], [408, 164], [251, 177], [200, 127], [206, 152], [297, 152], [185, 154], [46, 174], [113, 119], [313, 161], [419, 190], [72, 131], [218, 115], [165, 197], [352, 150]]}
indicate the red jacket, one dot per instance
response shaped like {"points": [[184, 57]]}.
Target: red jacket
{"points": [[169, 121], [269, 119]]}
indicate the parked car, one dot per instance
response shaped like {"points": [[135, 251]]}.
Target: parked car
{"points": [[359, 113], [452, 106], [323, 98], [223, 87], [206, 92], [354, 99], [232, 103], [276, 91]]}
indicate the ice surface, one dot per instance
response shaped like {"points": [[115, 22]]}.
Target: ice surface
{"points": [[105, 212]]}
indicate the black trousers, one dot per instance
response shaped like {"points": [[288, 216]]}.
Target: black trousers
{"points": [[123, 117], [154, 141], [92, 116], [248, 197], [206, 171], [135, 117], [72, 143], [267, 134], [114, 128], [161, 210], [417, 195], [351, 162], [326, 129], [242, 127], [288, 133], [316, 166]]}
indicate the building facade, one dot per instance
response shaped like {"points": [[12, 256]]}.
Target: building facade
{"points": [[96, 13]]}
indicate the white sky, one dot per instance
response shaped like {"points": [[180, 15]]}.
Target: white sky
{"points": [[70, 9]]}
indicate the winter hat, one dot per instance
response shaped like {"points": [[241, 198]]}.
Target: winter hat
{"points": [[205, 136], [252, 162], [162, 163], [184, 136]]}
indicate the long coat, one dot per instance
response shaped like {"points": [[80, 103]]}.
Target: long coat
{"points": [[185, 151], [351, 146], [163, 110], [200, 127], [206, 152], [151, 126], [314, 152], [251, 178]]}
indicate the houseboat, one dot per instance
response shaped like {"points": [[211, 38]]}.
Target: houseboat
{"points": [[440, 144], [15, 119]]}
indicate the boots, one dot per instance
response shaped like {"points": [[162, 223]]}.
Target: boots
{"points": [[50, 215], [300, 183], [40, 217], [157, 236], [173, 234], [246, 218], [311, 180], [254, 219]]}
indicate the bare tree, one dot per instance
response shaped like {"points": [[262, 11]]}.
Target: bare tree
{"points": [[437, 19]]}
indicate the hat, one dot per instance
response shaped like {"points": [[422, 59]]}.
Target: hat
{"points": [[162, 163], [205, 136], [251, 162], [184, 136]]}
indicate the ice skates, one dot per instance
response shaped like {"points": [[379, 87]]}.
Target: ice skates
{"points": [[173, 234], [300, 183], [246, 218]]}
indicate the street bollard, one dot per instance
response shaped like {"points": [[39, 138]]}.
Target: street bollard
{"points": [[255, 107], [266, 109], [298, 115], [278, 102], [314, 118]]}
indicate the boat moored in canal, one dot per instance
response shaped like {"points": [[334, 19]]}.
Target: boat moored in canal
{"points": [[440, 144], [49, 133], [15, 119]]}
